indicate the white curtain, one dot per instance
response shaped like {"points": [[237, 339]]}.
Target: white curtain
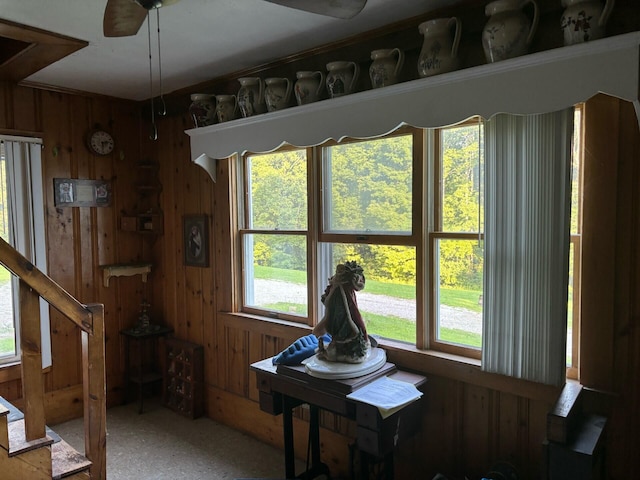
{"points": [[26, 204], [527, 211]]}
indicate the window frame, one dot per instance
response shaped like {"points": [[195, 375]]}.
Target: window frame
{"points": [[426, 230]]}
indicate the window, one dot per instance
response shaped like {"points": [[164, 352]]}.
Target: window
{"points": [[7, 326], [575, 247], [456, 242], [22, 226], [408, 207]]}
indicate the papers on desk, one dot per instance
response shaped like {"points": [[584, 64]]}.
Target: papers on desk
{"points": [[387, 394]]}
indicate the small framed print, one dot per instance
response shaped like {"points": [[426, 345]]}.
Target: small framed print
{"points": [[196, 240], [73, 192]]}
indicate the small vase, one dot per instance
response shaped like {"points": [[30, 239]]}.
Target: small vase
{"points": [[584, 20], [226, 107], [341, 78], [508, 33], [251, 96], [202, 109], [277, 93], [439, 52], [308, 87], [386, 67]]}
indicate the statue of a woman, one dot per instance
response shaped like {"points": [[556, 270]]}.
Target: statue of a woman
{"points": [[342, 319]]}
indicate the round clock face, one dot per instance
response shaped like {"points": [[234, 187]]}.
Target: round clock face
{"points": [[100, 142]]}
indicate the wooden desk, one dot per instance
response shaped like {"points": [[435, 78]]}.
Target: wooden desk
{"points": [[142, 374], [283, 388]]}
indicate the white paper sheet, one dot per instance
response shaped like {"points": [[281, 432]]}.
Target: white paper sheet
{"points": [[387, 394]]}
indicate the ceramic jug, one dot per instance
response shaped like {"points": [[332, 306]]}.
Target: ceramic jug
{"points": [[341, 78], [439, 52], [386, 66], [251, 96], [584, 20], [277, 93], [202, 109], [226, 107], [509, 32], [308, 87]]}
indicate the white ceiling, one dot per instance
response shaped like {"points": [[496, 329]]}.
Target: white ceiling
{"points": [[200, 39]]}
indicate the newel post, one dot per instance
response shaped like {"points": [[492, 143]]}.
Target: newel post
{"points": [[31, 358], [95, 396]]}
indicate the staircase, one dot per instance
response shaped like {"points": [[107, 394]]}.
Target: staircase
{"points": [[28, 448], [48, 457]]}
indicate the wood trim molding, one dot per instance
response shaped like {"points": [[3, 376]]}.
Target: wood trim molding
{"points": [[31, 49]]}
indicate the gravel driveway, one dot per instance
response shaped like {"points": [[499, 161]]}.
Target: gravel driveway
{"points": [[270, 291]]}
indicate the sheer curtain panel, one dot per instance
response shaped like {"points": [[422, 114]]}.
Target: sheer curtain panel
{"points": [[527, 212], [26, 204]]}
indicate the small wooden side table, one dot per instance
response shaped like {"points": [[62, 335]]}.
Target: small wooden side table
{"points": [[142, 374]]}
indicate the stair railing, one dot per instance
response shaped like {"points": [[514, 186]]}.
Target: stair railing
{"points": [[90, 320]]}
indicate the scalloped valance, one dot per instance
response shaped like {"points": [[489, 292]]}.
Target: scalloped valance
{"points": [[536, 83]]}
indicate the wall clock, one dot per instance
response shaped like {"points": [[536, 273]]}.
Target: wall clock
{"points": [[100, 142]]}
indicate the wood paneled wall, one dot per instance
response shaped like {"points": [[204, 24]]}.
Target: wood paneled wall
{"points": [[79, 240], [471, 419]]}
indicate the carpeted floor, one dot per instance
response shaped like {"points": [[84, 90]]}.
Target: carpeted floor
{"points": [[160, 444]]}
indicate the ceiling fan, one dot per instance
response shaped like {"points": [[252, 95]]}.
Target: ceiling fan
{"points": [[123, 18]]}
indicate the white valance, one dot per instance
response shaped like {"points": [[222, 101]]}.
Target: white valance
{"points": [[536, 83]]}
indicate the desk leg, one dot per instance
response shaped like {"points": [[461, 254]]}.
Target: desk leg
{"points": [[314, 434], [380, 468], [287, 422], [127, 371], [140, 373]]}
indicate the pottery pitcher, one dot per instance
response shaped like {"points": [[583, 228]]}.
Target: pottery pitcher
{"points": [[341, 78], [251, 96], [202, 109], [509, 32], [226, 107], [439, 52], [386, 66], [584, 20], [277, 93], [308, 87]]}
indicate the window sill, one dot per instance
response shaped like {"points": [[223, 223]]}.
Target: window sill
{"points": [[405, 356], [10, 372]]}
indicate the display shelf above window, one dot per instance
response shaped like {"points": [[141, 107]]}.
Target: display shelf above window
{"points": [[536, 83]]}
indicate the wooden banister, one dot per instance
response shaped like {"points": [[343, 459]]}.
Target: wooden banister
{"points": [[53, 293], [90, 319]]}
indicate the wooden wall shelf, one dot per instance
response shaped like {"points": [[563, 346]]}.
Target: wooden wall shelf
{"points": [[125, 270]]}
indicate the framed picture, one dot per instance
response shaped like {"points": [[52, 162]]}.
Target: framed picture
{"points": [[73, 192], [196, 240]]}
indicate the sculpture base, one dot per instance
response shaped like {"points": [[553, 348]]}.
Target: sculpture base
{"points": [[375, 359]]}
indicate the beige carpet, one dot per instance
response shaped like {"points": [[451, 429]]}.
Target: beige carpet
{"points": [[160, 444]]}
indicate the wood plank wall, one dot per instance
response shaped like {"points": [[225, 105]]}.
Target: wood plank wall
{"points": [[79, 240], [470, 420]]}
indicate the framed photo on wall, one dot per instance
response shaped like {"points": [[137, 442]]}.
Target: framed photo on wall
{"points": [[196, 240]]}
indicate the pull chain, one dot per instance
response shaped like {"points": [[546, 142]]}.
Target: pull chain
{"points": [[163, 108], [154, 130]]}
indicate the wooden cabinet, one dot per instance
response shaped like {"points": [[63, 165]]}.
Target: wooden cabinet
{"points": [[183, 380]]}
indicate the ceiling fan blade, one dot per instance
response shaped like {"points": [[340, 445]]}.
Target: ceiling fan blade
{"points": [[122, 18], [333, 8]]}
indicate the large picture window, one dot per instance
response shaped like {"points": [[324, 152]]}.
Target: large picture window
{"points": [[408, 207]]}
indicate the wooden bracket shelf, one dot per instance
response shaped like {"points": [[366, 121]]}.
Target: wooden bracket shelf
{"points": [[125, 270]]}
